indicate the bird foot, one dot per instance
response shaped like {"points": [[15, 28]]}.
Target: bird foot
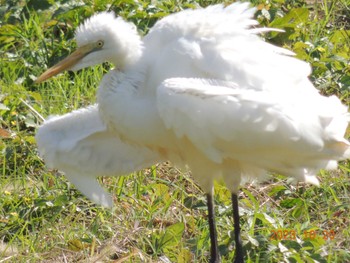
{"points": [[215, 260], [238, 259]]}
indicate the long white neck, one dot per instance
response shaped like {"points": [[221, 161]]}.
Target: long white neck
{"points": [[127, 110]]}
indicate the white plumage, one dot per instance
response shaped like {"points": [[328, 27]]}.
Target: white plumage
{"points": [[79, 144], [201, 89]]}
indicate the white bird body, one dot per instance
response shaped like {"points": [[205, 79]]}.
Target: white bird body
{"points": [[211, 94], [202, 97], [202, 90]]}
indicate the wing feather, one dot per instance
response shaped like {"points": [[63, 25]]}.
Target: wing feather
{"points": [[227, 46], [271, 130], [80, 145]]}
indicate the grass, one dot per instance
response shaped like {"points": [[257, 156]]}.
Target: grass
{"points": [[159, 213]]}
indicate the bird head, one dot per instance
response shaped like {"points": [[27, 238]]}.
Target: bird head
{"points": [[101, 38]]}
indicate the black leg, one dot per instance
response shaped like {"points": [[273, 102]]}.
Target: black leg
{"points": [[214, 249], [239, 249]]}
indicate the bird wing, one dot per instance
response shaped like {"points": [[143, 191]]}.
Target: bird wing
{"points": [[274, 131], [219, 43], [79, 145]]}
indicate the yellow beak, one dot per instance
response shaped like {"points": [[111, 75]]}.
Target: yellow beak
{"points": [[66, 63]]}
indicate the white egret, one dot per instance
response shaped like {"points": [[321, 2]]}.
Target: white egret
{"points": [[202, 89]]}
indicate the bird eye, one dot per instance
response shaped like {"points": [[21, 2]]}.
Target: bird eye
{"points": [[100, 44]]}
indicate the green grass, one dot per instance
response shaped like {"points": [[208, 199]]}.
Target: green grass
{"points": [[159, 213]]}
